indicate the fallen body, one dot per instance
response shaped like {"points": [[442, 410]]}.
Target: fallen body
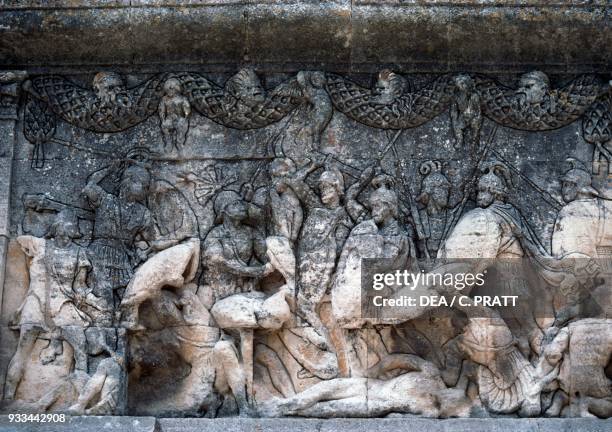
{"points": [[419, 391]]}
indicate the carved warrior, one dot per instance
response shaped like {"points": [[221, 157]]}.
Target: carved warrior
{"points": [[58, 299], [378, 237], [494, 222], [436, 216], [578, 369], [120, 221], [330, 215], [583, 224], [60, 306]]}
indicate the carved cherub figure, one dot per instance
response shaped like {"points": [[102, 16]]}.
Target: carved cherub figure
{"points": [[319, 105], [174, 111], [465, 113]]}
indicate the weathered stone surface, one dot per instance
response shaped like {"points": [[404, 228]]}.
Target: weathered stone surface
{"points": [[90, 423], [202, 202], [398, 424], [414, 36]]}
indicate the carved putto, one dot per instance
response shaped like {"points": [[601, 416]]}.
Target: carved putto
{"points": [[174, 112]]}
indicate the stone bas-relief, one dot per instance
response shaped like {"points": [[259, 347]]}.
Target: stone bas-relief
{"points": [[171, 275]]}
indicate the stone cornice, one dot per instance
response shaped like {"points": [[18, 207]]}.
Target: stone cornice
{"points": [[359, 36]]}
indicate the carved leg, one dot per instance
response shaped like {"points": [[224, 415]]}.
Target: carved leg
{"points": [[279, 376], [308, 312], [167, 137], [596, 159], [600, 407], [229, 373], [182, 127], [92, 388], [350, 407], [246, 350], [27, 339], [560, 400], [75, 336], [49, 398], [335, 389]]}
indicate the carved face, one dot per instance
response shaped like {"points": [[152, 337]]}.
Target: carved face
{"points": [[381, 211], [464, 83], [65, 231], [533, 88], [281, 168], [569, 191], [246, 87], [107, 86], [329, 194], [485, 197], [236, 210], [251, 94], [438, 197], [172, 87], [133, 190], [389, 86]]}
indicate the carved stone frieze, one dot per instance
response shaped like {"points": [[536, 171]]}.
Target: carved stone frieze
{"points": [[197, 244]]}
